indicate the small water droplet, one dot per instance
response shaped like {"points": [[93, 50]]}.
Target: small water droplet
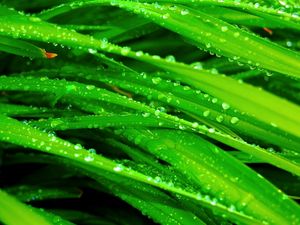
{"points": [[234, 120], [118, 168], [92, 51], [211, 130], [89, 158], [195, 125], [139, 53], [224, 28], [170, 58], [77, 146], [146, 114], [156, 80], [220, 118], [125, 51], [90, 87], [166, 16], [225, 106], [206, 113], [184, 12]]}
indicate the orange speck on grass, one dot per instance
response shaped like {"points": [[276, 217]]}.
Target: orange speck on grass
{"points": [[50, 55], [269, 31]]}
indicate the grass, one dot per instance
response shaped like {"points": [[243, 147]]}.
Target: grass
{"points": [[149, 112]]}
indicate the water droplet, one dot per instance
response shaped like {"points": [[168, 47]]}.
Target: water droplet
{"points": [[159, 110], [156, 80], [125, 51], [206, 113], [231, 208], [220, 118], [157, 179], [224, 28], [197, 65], [211, 130], [92, 51], [234, 120], [77, 146], [146, 114], [170, 58], [195, 125], [184, 12], [289, 44], [139, 53], [214, 100], [92, 151], [90, 87], [199, 196], [118, 168], [182, 127], [166, 16], [89, 158], [225, 106]]}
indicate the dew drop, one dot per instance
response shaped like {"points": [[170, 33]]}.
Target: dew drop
{"points": [[234, 120], [145, 114], [92, 51], [156, 80], [77, 146], [195, 125], [89, 158], [139, 53], [90, 87], [206, 113], [170, 58], [211, 130], [220, 118], [184, 12], [289, 44], [197, 65], [166, 16], [118, 168], [225, 106], [125, 51], [199, 196], [224, 28]]}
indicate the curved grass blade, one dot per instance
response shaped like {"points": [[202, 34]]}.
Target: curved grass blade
{"points": [[218, 174], [263, 101], [215, 34], [18, 133], [13, 212], [23, 48], [27, 193]]}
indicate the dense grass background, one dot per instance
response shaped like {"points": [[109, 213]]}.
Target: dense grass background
{"points": [[149, 112]]}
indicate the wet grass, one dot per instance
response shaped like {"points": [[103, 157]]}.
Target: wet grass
{"points": [[150, 112]]}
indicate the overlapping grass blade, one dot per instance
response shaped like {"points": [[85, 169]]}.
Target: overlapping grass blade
{"points": [[215, 85], [14, 212]]}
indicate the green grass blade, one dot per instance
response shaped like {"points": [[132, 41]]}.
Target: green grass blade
{"points": [[13, 212]]}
